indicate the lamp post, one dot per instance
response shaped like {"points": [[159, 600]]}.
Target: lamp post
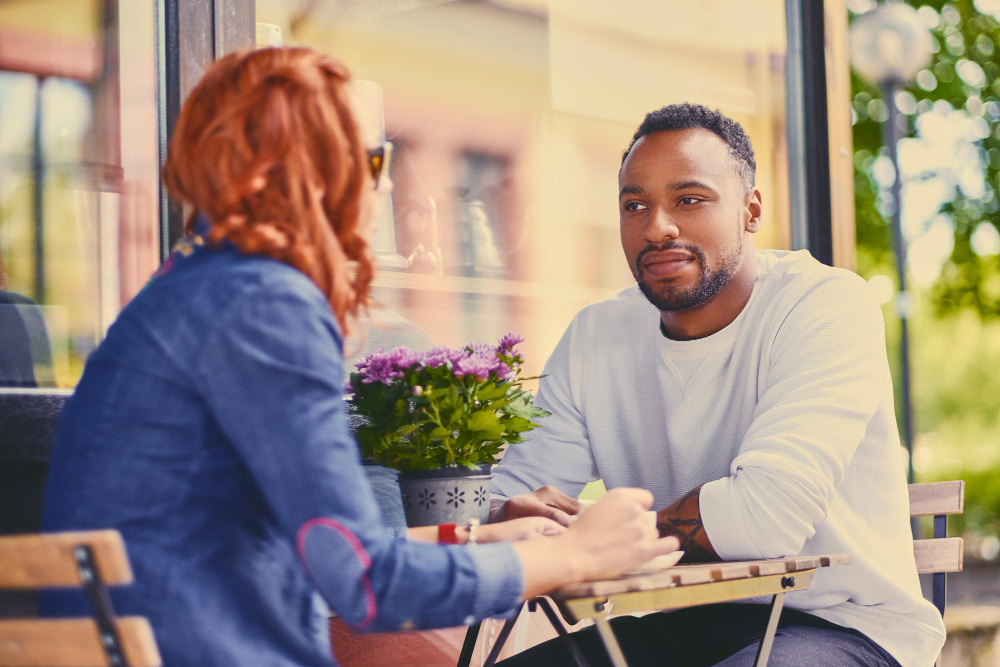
{"points": [[888, 46]]}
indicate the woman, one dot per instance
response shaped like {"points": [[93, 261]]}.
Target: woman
{"points": [[209, 427]]}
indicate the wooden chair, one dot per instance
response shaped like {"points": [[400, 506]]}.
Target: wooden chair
{"points": [[88, 560], [942, 554]]}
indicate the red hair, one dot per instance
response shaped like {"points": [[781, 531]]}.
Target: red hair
{"points": [[266, 146]]}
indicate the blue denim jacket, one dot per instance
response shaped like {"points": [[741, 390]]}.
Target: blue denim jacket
{"points": [[209, 429]]}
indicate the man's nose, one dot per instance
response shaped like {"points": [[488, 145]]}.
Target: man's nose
{"points": [[661, 227]]}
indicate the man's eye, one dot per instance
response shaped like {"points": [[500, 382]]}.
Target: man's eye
{"points": [[686, 201], [634, 206]]}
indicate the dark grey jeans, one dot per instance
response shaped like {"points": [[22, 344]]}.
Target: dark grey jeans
{"points": [[726, 635]]}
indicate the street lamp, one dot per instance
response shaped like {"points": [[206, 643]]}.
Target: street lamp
{"points": [[888, 46]]}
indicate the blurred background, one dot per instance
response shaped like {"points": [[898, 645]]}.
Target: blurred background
{"points": [[508, 120]]}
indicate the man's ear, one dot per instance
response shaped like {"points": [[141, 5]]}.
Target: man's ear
{"points": [[755, 210]]}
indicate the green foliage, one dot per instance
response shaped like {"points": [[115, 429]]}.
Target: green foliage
{"points": [[430, 418], [955, 329], [962, 36], [982, 503]]}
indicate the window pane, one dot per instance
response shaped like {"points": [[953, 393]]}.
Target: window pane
{"points": [[78, 179], [509, 119]]}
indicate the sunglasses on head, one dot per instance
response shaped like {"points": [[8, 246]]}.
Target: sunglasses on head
{"points": [[378, 158]]}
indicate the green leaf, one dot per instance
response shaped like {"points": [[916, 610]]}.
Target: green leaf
{"points": [[482, 420], [490, 391], [522, 407]]}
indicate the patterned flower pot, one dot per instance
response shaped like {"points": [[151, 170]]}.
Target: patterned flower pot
{"points": [[445, 495]]}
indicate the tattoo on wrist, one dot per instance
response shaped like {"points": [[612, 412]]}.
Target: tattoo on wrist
{"points": [[687, 530]]}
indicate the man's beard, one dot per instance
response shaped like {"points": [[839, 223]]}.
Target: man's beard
{"points": [[708, 286]]}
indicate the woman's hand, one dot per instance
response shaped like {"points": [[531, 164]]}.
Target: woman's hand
{"points": [[611, 537], [615, 535], [514, 530]]}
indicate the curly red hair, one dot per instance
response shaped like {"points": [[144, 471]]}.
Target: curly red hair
{"points": [[266, 146]]}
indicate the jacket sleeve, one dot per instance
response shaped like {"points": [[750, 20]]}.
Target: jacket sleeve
{"points": [[558, 454], [825, 382], [271, 372]]}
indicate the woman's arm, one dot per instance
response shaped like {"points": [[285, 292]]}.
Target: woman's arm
{"points": [[507, 531], [272, 373]]}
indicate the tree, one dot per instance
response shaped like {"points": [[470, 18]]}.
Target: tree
{"points": [[963, 75]]}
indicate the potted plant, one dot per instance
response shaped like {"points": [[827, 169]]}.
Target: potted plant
{"points": [[440, 417]]}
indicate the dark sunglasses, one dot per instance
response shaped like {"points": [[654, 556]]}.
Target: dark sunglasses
{"points": [[378, 158]]}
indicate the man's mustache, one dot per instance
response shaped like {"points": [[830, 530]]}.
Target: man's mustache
{"points": [[698, 253]]}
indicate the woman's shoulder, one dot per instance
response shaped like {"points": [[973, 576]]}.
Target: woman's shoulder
{"points": [[265, 274], [216, 276], [194, 295]]}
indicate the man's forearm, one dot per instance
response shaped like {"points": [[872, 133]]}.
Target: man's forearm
{"points": [[682, 519]]}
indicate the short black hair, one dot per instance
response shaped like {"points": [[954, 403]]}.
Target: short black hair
{"points": [[689, 116]]}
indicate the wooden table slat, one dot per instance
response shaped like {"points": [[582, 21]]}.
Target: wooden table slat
{"points": [[699, 573]]}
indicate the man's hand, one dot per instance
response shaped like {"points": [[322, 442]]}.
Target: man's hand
{"points": [[548, 502]]}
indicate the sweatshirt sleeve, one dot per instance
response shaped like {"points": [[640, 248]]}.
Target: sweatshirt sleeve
{"points": [[559, 453], [271, 372], [824, 384]]}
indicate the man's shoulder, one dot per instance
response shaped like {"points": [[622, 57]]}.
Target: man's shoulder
{"points": [[798, 288], [795, 274], [623, 309]]}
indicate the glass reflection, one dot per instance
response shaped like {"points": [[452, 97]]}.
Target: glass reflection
{"points": [[78, 179], [510, 118]]}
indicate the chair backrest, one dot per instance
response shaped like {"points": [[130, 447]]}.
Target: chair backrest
{"points": [[942, 554], [87, 560], [938, 499]]}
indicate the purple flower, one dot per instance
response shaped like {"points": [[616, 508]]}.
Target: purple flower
{"points": [[362, 365], [384, 367], [488, 357], [503, 371], [481, 349], [403, 358], [508, 342], [378, 367], [438, 356], [474, 364]]}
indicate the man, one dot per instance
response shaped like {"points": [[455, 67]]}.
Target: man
{"points": [[750, 392]]}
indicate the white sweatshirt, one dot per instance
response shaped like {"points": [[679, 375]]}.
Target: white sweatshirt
{"points": [[786, 417]]}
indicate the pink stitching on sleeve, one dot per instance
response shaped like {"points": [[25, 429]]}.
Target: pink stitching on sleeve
{"points": [[359, 551]]}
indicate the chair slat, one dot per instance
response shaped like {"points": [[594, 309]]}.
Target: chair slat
{"points": [[932, 498], [41, 561], [73, 642], [945, 554]]}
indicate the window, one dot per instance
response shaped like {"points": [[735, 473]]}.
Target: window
{"points": [[79, 233], [510, 118]]}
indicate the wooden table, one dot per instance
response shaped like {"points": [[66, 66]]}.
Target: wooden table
{"points": [[670, 588]]}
